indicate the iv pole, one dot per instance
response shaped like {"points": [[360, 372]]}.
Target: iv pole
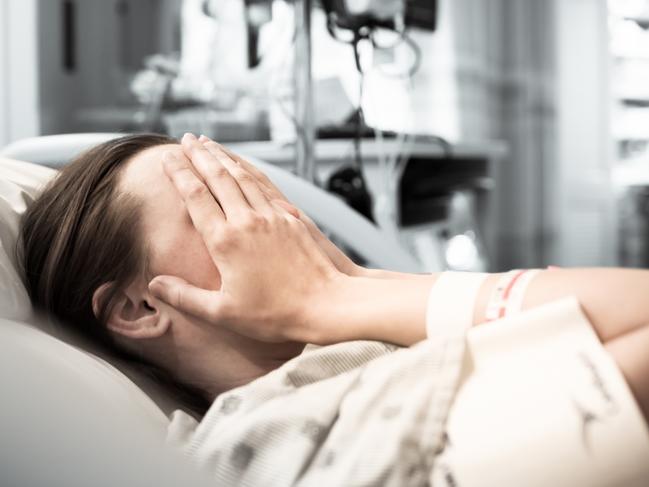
{"points": [[305, 127]]}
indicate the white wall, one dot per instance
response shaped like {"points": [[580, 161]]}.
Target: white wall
{"points": [[502, 64], [535, 74], [97, 77], [579, 195], [109, 49], [4, 69], [19, 115]]}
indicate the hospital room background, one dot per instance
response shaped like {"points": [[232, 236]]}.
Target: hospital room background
{"points": [[491, 134], [421, 135]]}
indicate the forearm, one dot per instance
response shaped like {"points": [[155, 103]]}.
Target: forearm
{"points": [[615, 300], [362, 308], [394, 309]]}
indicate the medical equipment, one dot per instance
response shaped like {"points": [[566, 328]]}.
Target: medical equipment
{"points": [[355, 22], [361, 18], [443, 213], [356, 14], [348, 183], [439, 202]]}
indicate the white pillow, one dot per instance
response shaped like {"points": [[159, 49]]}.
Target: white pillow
{"points": [[21, 328], [19, 184]]}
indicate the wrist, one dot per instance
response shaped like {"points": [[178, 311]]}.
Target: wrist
{"points": [[360, 271], [362, 308], [325, 313]]}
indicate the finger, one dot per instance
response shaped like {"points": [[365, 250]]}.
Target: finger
{"points": [[248, 184], [259, 175], [288, 207], [313, 229], [262, 180], [205, 213], [296, 216], [217, 177], [192, 300]]}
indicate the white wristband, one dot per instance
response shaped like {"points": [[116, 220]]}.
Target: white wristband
{"points": [[451, 303]]}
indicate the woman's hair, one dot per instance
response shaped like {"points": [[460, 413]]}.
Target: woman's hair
{"points": [[80, 233]]}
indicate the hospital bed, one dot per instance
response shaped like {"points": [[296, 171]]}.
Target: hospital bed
{"points": [[70, 416]]}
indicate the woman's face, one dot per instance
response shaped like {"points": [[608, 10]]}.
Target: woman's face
{"points": [[174, 246], [202, 352]]}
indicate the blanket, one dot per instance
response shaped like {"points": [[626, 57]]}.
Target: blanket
{"points": [[352, 414], [536, 400]]}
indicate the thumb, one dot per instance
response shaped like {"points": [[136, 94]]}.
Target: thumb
{"points": [[184, 297]]}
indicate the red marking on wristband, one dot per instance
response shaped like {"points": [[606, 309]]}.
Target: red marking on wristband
{"points": [[508, 290]]}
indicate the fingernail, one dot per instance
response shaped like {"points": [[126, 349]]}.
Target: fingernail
{"points": [[203, 138], [189, 136]]}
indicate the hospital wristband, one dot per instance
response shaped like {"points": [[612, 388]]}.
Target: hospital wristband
{"points": [[451, 303]]}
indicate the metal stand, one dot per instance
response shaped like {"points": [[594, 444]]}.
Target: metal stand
{"points": [[305, 130]]}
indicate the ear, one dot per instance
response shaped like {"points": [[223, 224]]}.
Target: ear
{"points": [[134, 314]]}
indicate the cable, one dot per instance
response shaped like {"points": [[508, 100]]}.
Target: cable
{"points": [[282, 98], [359, 111], [393, 165], [370, 33], [416, 51]]}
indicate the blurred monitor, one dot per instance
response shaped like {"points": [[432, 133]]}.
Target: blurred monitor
{"points": [[422, 14], [419, 13]]}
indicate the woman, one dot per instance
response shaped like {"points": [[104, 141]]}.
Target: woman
{"points": [[187, 257]]}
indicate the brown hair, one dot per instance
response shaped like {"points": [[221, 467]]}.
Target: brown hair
{"points": [[81, 233]]}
